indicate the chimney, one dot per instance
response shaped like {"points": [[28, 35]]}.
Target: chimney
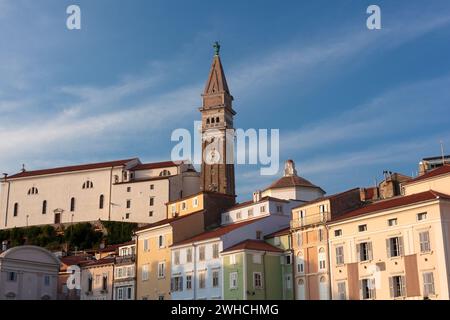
{"points": [[23, 167], [256, 196], [5, 176], [4, 245]]}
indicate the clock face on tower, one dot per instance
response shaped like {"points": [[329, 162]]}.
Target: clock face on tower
{"points": [[212, 156]]}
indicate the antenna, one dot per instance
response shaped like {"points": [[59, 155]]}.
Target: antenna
{"points": [[442, 152]]}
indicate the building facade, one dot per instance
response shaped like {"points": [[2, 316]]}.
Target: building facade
{"points": [[124, 283], [97, 279], [28, 273], [124, 190]]}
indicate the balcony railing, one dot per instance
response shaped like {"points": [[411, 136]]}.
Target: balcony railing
{"points": [[125, 259], [311, 220]]}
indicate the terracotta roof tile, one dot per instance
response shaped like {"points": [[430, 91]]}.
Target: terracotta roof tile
{"points": [[278, 233], [393, 203], [81, 167], [106, 260], [249, 244], [166, 221], [291, 181], [218, 232], [330, 197], [434, 173], [156, 165]]}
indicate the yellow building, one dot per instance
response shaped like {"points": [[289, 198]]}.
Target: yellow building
{"points": [[310, 242], [392, 249]]}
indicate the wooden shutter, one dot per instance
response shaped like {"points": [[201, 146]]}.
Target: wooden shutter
{"points": [[361, 296], [358, 253], [369, 249], [400, 246], [391, 287], [181, 284], [402, 285], [388, 247]]}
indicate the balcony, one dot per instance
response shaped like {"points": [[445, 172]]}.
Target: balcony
{"points": [[310, 220], [125, 259]]}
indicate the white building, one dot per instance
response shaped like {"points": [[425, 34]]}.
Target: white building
{"points": [[123, 190], [125, 272], [28, 273]]}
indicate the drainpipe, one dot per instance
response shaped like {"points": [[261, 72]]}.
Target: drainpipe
{"points": [[330, 295], [293, 266], [194, 274], [110, 193], [7, 199], [264, 272]]}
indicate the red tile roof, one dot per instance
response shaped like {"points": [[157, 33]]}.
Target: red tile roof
{"points": [[93, 263], [330, 197], [114, 247], [291, 181], [393, 203], [445, 169], [218, 232], [249, 244], [156, 165], [82, 167], [166, 221], [278, 233]]}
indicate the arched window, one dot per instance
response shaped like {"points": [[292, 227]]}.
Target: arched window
{"points": [[212, 120], [88, 185], [164, 173], [323, 289], [16, 209], [33, 190], [207, 121], [44, 207], [217, 120], [101, 201], [301, 289], [72, 205], [322, 259]]}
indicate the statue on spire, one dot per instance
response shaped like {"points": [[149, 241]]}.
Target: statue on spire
{"points": [[216, 47]]}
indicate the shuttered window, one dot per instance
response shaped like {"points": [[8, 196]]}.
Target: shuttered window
{"points": [[428, 284], [424, 241], [394, 247], [397, 286]]}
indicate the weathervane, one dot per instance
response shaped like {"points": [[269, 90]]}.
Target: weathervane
{"points": [[216, 47]]}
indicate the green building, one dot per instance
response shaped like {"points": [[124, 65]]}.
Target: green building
{"points": [[259, 270]]}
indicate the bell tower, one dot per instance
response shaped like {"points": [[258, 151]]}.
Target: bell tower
{"points": [[217, 170]]}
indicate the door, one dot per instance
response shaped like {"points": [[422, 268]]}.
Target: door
{"points": [[57, 217], [300, 289]]}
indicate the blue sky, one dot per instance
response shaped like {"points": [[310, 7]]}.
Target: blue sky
{"points": [[349, 102]]}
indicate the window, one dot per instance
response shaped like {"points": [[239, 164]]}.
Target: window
{"points": [[161, 298], [152, 186], [164, 173], [44, 207], [238, 215], [16, 209], [227, 218], [90, 284], [128, 189], [339, 255], [183, 206], [288, 260], [262, 209], [215, 279], [145, 272], [301, 214], [195, 202], [201, 280], [367, 289], [232, 259], [279, 209], [300, 263], [421, 216], [428, 284], [72, 204], [276, 241], [152, 201], [323, 208], [342, 294], [189, 255], [33, 190], [322, 259], [101, 201], [146, 245], [299, 238], [233, 280], [258, 235], [257, 280], [394, 247], [105, 282], [12, 276], [189, 282], [88, 185], [364, 251], [161, 270], [320, 234], [150, 213], [215, 251], [201, 253], [176, 284], [127, 216], [176, 257], [288, 282], [392, 222], [362, 228], [128, 204], [397, 286], [161, 241], [250, 213], [338, 233], [424, 238], [257, 258]]}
